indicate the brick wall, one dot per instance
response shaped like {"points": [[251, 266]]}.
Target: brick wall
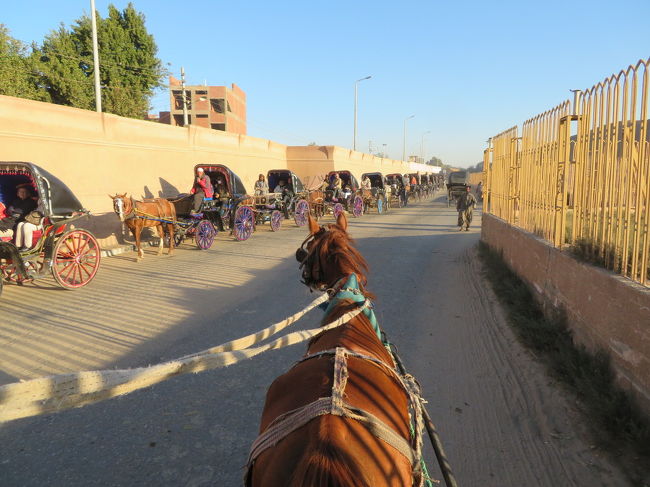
{"points": [[604, 310]]}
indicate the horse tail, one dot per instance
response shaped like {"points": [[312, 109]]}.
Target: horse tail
{"points": [[326, 464]]}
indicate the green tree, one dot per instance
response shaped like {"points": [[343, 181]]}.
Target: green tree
{"points": [[64, 70], [129, 68], [18, 75]]}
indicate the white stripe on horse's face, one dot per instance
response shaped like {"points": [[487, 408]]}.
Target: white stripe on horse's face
{"points": [[118, 206]]}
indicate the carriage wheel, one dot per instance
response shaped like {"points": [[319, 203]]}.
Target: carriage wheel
{"points": [[204, 236], [276, 220], [357, 206], [337, 210], [244, 223], [75, 259], [380, 204], [300, 215]]}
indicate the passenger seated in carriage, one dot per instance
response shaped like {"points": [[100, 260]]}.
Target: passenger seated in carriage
{"points": [[287, 194], [335, 186], [366, 183], [14, 217], [202, 188], [220, 188], [261, 187]]}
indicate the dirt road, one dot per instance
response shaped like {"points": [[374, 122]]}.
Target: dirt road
{"points": [[502, 421]]}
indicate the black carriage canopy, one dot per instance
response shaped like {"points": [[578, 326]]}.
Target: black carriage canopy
{"points": [[458, 177], [274, 176], [55, 199], [346, 178], [376, 179], [233, 183]]}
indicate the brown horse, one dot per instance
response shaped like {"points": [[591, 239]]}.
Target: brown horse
{"points": [[340, 416], [155, 212]]}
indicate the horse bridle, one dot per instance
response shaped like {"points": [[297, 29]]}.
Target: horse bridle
{"points": [[310, 260], [119, 204]]}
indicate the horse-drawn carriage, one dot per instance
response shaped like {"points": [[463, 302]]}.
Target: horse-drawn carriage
{"points": [[71, 255], [397, 197], [294, 200], [378, 196], [349, 197], [231, 208], [456, 185]]}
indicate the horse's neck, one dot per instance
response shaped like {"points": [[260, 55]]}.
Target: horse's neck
{"points": [[357, 334]]}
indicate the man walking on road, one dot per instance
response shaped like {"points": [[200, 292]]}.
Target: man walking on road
{"points": [[465, 205]]}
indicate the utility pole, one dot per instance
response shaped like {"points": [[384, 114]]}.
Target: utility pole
{"points": [[404, 141], [98, 88], [354, 140], [185, 123]]}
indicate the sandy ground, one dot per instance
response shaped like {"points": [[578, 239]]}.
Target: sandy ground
{"points": [[501, 419]]}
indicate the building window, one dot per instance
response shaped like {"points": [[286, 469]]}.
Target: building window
{"points": [[201, 115], [178, 120], [201, 92], [218, 126], [178, 99], [217, 104]]}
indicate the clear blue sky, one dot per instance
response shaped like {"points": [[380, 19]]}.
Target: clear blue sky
{"points": [[466, 70]]}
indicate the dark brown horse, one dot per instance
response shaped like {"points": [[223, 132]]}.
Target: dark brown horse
{"points": [[155, 212], [340, 417]]}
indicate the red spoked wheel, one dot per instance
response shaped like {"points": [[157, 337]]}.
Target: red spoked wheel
{"points": [[338, 209], [276, 220], [357, 206], [75, 259], [300, 215], [244, 223], [204, 236]]}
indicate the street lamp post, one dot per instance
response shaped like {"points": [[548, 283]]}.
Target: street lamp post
{"points": [[98, 89], [356, 83], [422, 145], [404, 143]]}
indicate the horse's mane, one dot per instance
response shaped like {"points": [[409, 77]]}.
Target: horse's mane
{"points": [[336, 248]]}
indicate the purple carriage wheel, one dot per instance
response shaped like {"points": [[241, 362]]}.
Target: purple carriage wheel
{"points": [[301, 213], [244, 223], [276, 220], [357, 206], [204, 236], [338, 209]]}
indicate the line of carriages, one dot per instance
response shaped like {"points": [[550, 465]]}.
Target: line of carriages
{"points": [[72, 255]]}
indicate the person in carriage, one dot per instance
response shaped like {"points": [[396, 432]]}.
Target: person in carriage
{"points": [[14, 217], [336, 185], [201, 189], [286, 191], [366, 183], [261, 186]]}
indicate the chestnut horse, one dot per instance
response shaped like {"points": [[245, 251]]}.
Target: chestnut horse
{"points": [[342, 415], [155, 212]]}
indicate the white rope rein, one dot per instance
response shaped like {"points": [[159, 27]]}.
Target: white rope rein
{"points": [[65, 391]]}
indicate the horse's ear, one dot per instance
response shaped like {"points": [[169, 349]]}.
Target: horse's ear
{"points": [[342, 221], [112, 197], [313, 225]]}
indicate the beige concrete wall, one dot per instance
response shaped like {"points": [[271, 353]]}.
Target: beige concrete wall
{"points": [[97, 154], [604, 310]]}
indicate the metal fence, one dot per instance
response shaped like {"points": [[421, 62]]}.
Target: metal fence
{"points": [[579, 175]]}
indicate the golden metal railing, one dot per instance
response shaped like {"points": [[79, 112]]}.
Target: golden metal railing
{"points": [[580, 174]]}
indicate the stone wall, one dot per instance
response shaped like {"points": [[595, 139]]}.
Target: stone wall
{"points": [[100, 154], [605, 311]]}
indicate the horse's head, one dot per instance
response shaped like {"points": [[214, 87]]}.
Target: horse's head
{"points": [[327, 255], [119, 203]]}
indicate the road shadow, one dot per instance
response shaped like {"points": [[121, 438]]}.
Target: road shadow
{"points": [[195, 426]]}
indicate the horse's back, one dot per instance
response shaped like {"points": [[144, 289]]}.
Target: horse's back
{"points": [[339, 449]]}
